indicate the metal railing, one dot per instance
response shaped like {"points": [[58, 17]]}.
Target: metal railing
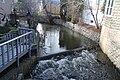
{"points": [[15, 47]]}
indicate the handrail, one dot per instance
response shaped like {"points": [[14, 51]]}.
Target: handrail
{"points": [[13, 49], [25, 28], [15, 38], [14, 33]]}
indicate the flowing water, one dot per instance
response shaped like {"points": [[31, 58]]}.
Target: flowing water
{"points": [[59, 39], [81, 65]]}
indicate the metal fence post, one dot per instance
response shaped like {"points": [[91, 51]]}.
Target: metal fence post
{"points": [[12, 46], [29, 38], [17, 54], [2, 50], [8, 52], [14, 49]]}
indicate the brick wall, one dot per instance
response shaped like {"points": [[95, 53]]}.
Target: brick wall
{"points": [[110, 35]]}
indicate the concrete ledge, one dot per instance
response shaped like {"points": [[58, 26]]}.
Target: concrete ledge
{"points": [[68, 52]]}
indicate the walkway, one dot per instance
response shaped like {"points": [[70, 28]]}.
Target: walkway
{"points": [[15, 46]]}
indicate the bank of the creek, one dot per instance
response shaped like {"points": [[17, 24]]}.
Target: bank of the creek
{"points": [[88, 63]]}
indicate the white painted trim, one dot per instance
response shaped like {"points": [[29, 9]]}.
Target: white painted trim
{"points": [[107, 15]]}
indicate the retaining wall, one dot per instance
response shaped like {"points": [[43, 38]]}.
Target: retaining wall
{"points": [[82, 30]]}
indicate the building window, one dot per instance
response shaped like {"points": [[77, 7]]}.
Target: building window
{"points": [[109, 7], [2, 1]]}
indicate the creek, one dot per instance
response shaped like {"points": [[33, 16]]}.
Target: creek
{"points": [[87, 64]]}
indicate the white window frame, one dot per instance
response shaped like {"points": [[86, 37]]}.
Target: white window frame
{"points": [[2, 1], [109, 7]]}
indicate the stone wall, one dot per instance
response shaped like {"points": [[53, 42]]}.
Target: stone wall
{"points": [[82, 30], [110, 35]]}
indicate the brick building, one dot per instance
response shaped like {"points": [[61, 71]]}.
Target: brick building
{"points": [[110, 35]]}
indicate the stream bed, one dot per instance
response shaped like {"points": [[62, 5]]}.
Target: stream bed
{"points": [[87, 64]]}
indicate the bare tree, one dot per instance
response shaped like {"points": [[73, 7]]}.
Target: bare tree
{"points": [[74, 8], [27, 5], [3, 14], [95, 16]]}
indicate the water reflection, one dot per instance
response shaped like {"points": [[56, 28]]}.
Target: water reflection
{"points": [[84, 65], [52, 41], [60, 39]]}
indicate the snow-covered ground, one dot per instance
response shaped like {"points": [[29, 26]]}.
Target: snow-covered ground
{"points": [[76, 66]]}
